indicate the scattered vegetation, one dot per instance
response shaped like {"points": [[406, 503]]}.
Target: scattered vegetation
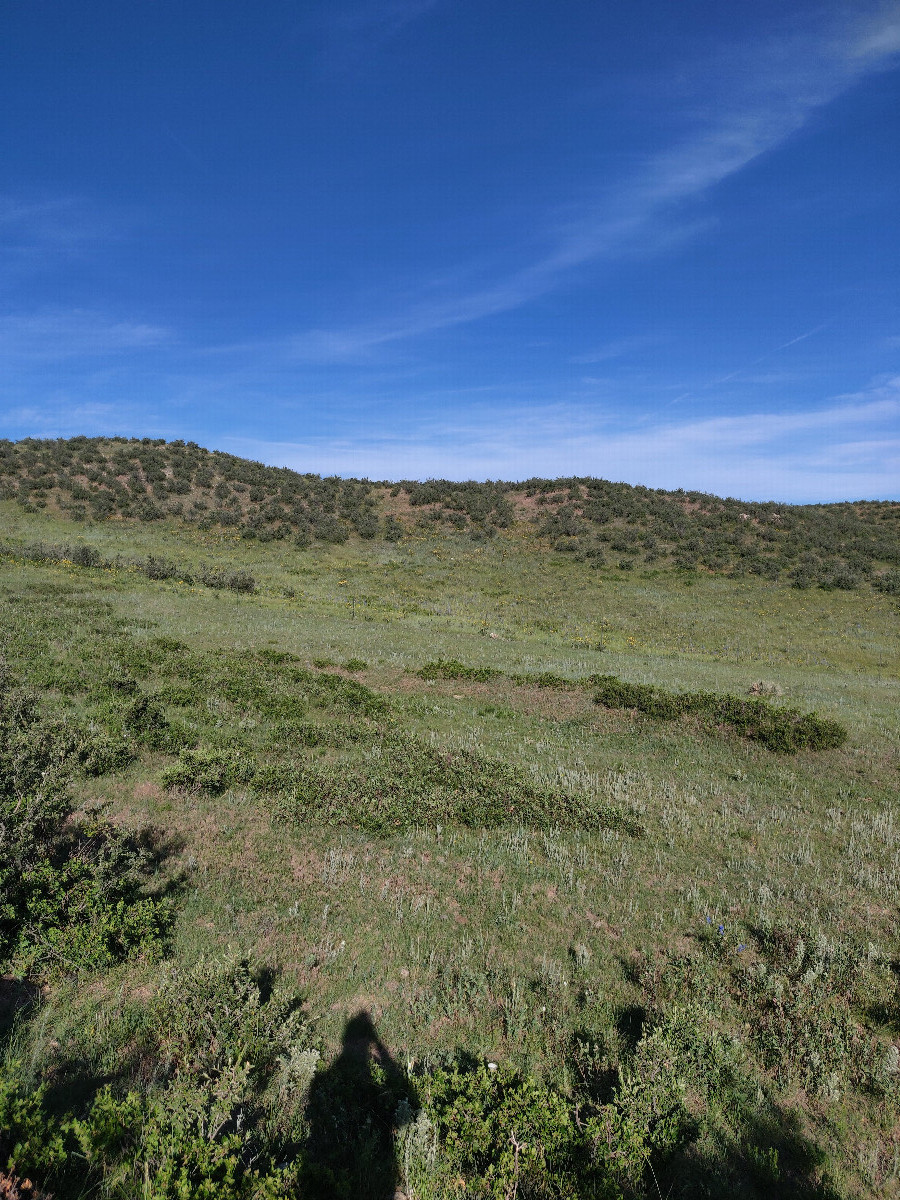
{"points": [[833, 546], [777, 728], [285, 913]]}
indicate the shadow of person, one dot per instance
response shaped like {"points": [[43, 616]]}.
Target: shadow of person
{"points": [[351, 1119], [18, 998]]}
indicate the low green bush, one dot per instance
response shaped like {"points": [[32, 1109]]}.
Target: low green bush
{"points": [[213, 1038], [782, 729], [146, 722], [889, 583], [545, 679], [206, 770], [72, 889], [409, 783], [449, 668]]}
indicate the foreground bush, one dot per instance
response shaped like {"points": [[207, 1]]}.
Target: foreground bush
{"points": [[214, 1039], [72, 889]]}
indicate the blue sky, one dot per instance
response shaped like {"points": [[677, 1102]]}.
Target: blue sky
{"points": [[469, 238]]}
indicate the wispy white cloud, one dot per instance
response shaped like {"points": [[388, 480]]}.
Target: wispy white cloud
{"points": [[357, 30], [848, 449], [747, 102], [57, 334], [619, 348], [384, 15], [39, 232], [62, 415]]}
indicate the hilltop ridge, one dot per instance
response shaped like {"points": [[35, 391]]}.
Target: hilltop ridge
{"points": [[843, 545]]}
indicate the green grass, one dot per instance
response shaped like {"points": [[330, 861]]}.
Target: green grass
{"points": [[493, 868]]}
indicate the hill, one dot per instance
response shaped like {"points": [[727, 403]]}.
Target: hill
{"points": [[831, 545], [366, 837]]}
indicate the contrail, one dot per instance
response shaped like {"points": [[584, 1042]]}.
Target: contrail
{"points": [[754, 362]]}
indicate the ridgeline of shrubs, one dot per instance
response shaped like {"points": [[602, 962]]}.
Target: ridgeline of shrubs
{"points": [[833, 546], [149, 479], [81, 555]]}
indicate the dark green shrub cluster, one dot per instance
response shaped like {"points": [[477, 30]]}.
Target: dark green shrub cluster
{"points": [[147, 479], [507, 1133], [236, 581], [72, 891], [827, 545], [482, 508], [778, 728], [449, 668], [410, 783], [213, 1039]]}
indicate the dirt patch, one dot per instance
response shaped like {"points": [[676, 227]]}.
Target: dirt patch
{"points": [[535, 701], [527, 507], [306, 867], [148, 791]]}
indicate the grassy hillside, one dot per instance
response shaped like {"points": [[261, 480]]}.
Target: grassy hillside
{"points": [[433, 858], [145, 480]]}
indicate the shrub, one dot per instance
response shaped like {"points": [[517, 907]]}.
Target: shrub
{"points": [[241, 581], [504, 1132], [72, 891], [237, 581], [545, 679], [215, 1036], [30, 1140], [330, 529], [85, 556], [146, 722], [782, 729], [449, 668], [413, 784], [205, 770], [841, 578], [160, 568], [393, 529], [889, 583]]}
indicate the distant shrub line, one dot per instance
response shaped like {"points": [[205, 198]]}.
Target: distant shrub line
{"points": [[81, 555], [779, 728]]}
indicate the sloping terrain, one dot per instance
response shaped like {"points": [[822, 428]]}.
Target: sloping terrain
{"points": [[438, 860], [832, 545]]}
